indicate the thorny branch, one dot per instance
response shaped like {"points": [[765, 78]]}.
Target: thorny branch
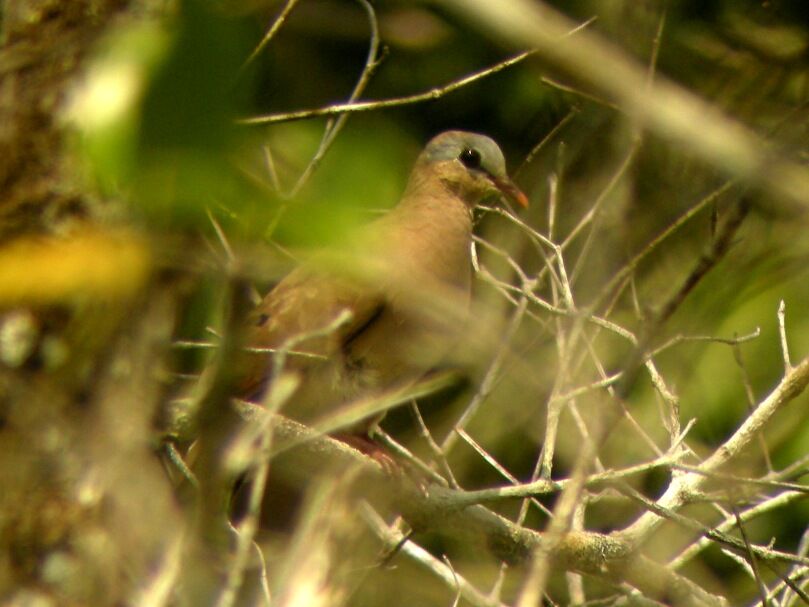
{"points": [[685, 487], [439, 511]]}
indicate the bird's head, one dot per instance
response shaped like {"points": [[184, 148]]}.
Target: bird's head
{"points": [[470, 165]]}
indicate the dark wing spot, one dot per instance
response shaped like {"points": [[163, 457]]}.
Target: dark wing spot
{"points": [[351, 337]]}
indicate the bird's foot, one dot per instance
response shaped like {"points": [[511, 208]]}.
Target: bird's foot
{"points": [[372, 449]]}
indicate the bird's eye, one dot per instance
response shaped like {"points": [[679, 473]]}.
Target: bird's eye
{"points": [[470, 158]]}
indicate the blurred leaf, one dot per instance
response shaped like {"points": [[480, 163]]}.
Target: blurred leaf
{"points": [[91, 265], [105, 106], [156, 114], [363, 174], [187, 130]]}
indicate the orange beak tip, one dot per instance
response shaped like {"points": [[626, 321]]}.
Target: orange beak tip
{"points": [[521, 198], [507, 187]]}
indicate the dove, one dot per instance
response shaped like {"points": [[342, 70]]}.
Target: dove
{"points": [[382, 312]]}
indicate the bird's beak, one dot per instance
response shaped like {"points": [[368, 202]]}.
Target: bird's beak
{"points": [[511, 191]]}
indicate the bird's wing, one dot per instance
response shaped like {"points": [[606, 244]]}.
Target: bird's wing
{"points": [[310, 313]]}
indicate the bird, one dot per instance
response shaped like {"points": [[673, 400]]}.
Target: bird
{"points": [[379, 313]]}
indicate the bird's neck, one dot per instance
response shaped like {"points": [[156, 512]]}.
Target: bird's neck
{"points": [[437, 223], [428, 194]]}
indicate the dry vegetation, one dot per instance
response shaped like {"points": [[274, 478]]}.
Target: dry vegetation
{"points": [[625, 422]]}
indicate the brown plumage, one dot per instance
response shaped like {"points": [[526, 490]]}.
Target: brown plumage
{"points": [[397, 281]]}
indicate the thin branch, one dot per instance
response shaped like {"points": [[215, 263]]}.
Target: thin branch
{"points": [[546, 487], [501, 470], [590, 218], [246, 531], [571, 114], [158, 590], [782, 332], [708, 260], [764, 483], [279, 21], [684, 487], [766, 553], [407, 456], [489, 378], [445, 573], [751, 400], [333, 127], [717, 250], [365, 106], [750, 554], [621, 275], [438, 454], [729, 341]]}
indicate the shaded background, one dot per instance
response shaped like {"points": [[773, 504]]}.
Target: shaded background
{"points": [[123, 155]]}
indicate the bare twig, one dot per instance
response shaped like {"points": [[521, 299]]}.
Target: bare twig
{"points": [[438, 568], [489, 378], [589, 553], [365, 106], [435, 449], [246, 531], [749, 514], [707, 261], [751, 556], [545, 140], [334, 126], [766, 553], [751, 399], [684, 487], [782, 332], [276, 25]]}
